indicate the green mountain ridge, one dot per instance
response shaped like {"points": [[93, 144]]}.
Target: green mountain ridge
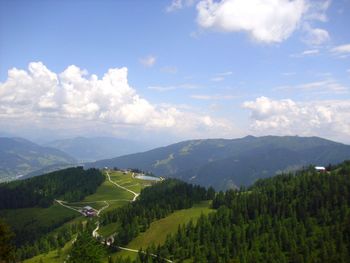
{"points": [[19, 157], [227, 163]]}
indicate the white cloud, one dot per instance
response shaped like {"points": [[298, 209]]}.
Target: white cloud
{"points": [[179, 4], [342, 50], [310, 52], [323, 118], [317, 10], [217, 78], [268, 21], [226, 73], [38, 95], [265, 20], [315, 36], [221, 76], [330, 86], [148, 61]]}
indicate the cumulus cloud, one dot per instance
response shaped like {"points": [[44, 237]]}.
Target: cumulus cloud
{"points": [[148, 61], [323, 118], [73, 96], [265, 20], [268, 21]]}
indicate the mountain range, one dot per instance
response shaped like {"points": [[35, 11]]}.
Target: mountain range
{"points": [[231, 163], [19, 157], [96, 148]]}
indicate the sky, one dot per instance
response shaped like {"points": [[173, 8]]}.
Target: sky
{"points": [[170, 70]]}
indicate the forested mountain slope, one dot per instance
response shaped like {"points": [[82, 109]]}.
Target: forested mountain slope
{"points": [[32, 201], [231, 163], [302, 217], [71, 184]]}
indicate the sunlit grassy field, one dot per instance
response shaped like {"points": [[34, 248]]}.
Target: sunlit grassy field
{"points": [[159, 229]]}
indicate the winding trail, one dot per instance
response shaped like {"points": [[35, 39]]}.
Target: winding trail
{"points": [[103, 208], [69, 207], [95, 233], [122, 187]]}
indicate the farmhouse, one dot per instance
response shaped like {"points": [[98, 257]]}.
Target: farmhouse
{"points": [[89, 211]]}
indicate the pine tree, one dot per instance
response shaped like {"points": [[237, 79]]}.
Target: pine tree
{"points": [[86, 249]]}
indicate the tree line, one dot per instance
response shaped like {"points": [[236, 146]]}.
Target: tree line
{"points": [[299, 218], [71, 184]]}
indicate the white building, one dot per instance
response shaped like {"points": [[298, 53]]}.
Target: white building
{"points": [[320, 169]]}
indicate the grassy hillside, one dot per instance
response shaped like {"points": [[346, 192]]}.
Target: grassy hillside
{"points": [[160, 229], [115, 196], [232, 163]]}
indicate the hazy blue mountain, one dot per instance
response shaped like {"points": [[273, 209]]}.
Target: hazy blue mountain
{"points": [[96, 148], [230, 163], [19, 157]]}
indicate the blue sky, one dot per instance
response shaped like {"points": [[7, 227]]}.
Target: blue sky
{"points": [[195, 69]]}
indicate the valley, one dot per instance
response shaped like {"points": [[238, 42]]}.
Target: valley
{"points": [[168, 221], [118, 189]]}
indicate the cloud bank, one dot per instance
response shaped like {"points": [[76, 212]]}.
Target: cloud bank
{"points": [[73, 96], [329, 119]]}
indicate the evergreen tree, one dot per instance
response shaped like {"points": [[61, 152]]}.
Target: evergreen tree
{"points": [[7, 248], [86, 249]]}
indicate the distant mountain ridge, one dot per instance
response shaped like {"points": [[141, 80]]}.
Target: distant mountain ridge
{"points": [[225, 163], [19, 157], [97, 148]]}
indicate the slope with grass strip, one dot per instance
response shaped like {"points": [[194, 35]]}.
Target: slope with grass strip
{"points": [[159, 229]]}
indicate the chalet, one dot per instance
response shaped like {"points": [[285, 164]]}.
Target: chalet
{"points": [[89, 211], [320, 169]]}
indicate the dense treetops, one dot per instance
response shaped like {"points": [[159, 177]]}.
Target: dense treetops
{"points": [[70, 184], [86, 249], [7, 247], [302, 217]]}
